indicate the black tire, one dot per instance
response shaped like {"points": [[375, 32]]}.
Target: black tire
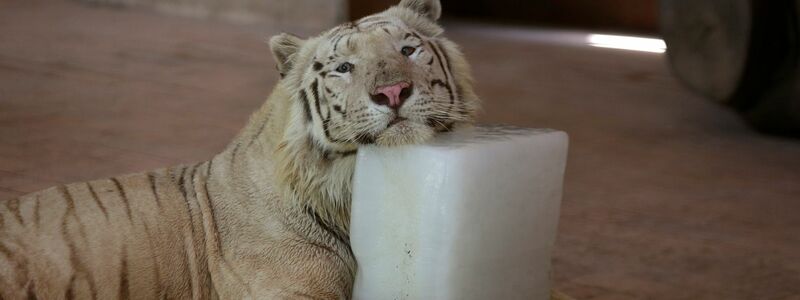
{"points": [[755, 41]]}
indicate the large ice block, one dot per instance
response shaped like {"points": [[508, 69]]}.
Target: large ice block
{"points": [[470, 215]]}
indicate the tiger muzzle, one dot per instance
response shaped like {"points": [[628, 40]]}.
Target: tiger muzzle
{"points": [[393, 95]]}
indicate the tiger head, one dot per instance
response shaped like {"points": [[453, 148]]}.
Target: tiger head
{"points": [[386, 79]]}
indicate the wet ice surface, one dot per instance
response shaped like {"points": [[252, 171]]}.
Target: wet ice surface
{"points": [[470, 215]]}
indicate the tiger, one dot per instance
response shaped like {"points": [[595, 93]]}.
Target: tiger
{"points": [[268, 217]]}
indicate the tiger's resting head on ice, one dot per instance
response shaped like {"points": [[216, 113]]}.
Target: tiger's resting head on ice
{"points": [[268, 217], [388, 79]]}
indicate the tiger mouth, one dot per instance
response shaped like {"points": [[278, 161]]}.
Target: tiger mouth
{"points": [[395, 121]]}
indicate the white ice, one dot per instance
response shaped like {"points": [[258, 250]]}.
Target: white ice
{"points": [[470, 215]]}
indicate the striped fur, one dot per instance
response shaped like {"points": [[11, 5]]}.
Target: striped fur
{"points": [[268, 217]]}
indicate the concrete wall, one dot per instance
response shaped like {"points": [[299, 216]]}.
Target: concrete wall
{"points": [[306, 16]]}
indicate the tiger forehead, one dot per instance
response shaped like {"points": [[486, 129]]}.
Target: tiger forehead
{"points": [[347, 38], [368, 23]]}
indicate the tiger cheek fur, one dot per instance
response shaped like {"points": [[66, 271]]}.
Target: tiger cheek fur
{"points": [[269, 216]]}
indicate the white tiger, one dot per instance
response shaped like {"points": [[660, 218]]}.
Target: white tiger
{"points": [[268, 217]]}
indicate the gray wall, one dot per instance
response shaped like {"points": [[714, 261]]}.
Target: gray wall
{"points": [[305, 16]]}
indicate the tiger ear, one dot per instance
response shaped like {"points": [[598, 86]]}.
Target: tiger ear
{"points": [[284, 48], [431, 9]]}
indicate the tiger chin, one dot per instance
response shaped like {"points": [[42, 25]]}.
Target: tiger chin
{"points": [[268, 217]]}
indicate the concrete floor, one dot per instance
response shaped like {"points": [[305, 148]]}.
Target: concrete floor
{"points": [[667, 196]]}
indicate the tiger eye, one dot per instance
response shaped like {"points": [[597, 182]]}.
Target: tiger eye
{"points": [[408, 50], [345, 68]]}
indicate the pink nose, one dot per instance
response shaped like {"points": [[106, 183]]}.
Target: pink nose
{"points": [[392, 95]]}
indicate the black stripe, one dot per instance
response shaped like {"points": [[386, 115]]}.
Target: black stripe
{"points": [[348, 153], [314, 87], [191, 180], [458, 94], [381, 23], [436, 82], [451, 81], [317, 94], [36, 211], [449, 66], [211, 208], [19, 263], [439, 124], [13, 206], [445, 71], [31, 294], [258, 133], [325, 119], [234, 153], [441, 60], [335, 232], [447, 127], [124, 286], [377, 24], [68, 199], [181, 182], [156, 269], [316, 98], [336, 43], [123, 197], [343, 27], [190, 213], [153, 188], [69, 294], [306, 107], [71, 210], [446, 57], [339, 235], [365, 139], [334, 155], [327, 130], [74, 259], [97, 200], [439, 57], [80, 267], [7, 253]]}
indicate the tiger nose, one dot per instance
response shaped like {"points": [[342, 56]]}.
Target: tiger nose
{"points": [[393, 95]]}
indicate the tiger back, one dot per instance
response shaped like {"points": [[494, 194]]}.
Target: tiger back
{"points": [[134, 236]]}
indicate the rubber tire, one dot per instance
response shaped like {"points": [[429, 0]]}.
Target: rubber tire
{"points": [[767, 92]]}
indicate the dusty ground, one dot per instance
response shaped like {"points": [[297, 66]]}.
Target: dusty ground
{"points": [[667, 196]]}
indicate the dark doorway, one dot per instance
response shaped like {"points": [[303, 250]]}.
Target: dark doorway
{"points": [[610, 15]]}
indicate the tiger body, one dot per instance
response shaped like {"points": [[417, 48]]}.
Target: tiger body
{"points": [[268, 217]]}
